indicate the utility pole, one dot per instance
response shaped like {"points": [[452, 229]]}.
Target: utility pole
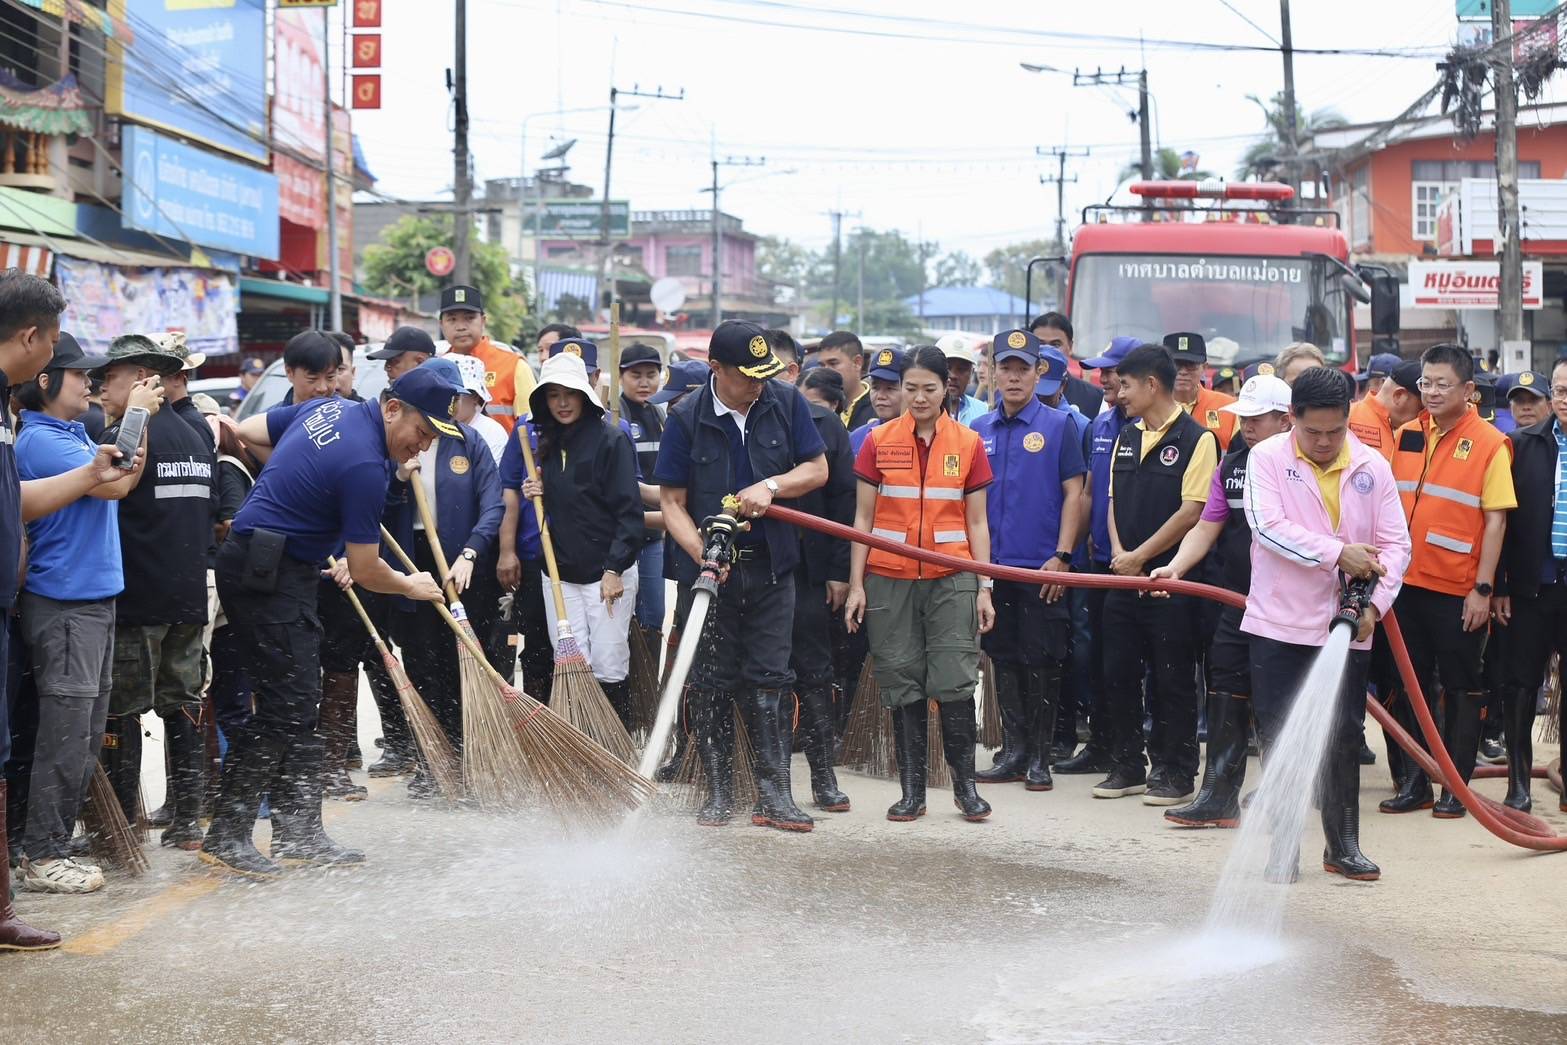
{"points": [[1060, 179], [1511, 289], [606, 266], [462, 184], [859, 281], [718, 239], [1121, 78], [335, 309], [1291, 129], [837, 258]]}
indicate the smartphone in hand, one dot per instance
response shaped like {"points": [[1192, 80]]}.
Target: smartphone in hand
{"points": [[132, 427]]}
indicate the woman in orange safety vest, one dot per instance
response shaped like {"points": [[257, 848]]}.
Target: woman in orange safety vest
{"points": [[922, 483]]}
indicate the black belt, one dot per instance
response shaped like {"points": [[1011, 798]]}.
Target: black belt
{"points": [[751, 553]]}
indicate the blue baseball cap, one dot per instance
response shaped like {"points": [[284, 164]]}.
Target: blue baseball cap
{"points": [[1053, 376], [1381, 365], [888, 364], [432, 388], [1015, 344], [581, 347], [1117, 350], [1530, 381], [1260, 368], [683, 377]]}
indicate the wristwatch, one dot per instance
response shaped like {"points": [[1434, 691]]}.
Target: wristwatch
{"points": [[1484, 589], [1065, 557], [470, 555], [987, 583], [771, 485]]}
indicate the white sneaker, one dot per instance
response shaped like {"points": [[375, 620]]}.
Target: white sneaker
{"points": [[62, 875]]}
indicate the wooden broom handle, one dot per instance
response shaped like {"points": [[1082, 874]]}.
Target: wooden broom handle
{"points": [[416, 481], [544, 527], [446, 614], [614, 365], [359, 608]]}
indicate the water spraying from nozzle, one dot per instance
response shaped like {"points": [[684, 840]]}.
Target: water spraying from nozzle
{"points": [[1354, 597]]}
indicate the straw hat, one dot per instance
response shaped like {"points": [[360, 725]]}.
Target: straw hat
{"points": [[567, 371]]}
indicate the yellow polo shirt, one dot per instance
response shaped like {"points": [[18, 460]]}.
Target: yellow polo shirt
{"points": [[1329, 478], [1198, 476]]}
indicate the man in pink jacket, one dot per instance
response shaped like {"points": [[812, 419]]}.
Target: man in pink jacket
{"points": [[1319, 502]]}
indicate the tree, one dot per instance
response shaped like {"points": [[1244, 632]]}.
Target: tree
{"points": [[1166, 167], [783, 263], [1007, 265], [1263, 157], [396, 264], [957, 270]]}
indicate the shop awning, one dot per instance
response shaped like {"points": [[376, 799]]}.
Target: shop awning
{"points": [[282, 290], [103, 253]]}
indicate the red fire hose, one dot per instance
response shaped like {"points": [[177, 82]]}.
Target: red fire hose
{"points": [[1510, 825]]}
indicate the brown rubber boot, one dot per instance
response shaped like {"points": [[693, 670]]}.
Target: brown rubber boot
{"points": [[15, 934]]}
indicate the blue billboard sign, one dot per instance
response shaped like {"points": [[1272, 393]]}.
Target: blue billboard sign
{"points": [[197, 68], [189, 194]]}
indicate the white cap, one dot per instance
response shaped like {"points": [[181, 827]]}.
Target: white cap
{"points": [[472, 370], [1263, 394], [956, 346]]}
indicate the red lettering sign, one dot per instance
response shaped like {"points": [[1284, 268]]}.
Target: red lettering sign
{"points": [[367, 91], [367, 51], [367, 14]]}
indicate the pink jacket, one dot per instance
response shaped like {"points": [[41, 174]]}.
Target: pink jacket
{"points": [[1294, 548]]}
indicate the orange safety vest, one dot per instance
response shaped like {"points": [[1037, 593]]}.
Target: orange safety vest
{"points": [[1369, 420], [1442, 499], [925, 511], [1205, 411], [509, 378]]}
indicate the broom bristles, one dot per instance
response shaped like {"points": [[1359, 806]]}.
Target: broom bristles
{"points": [[109, 834], [435, 749], [494, 766], [644, 683], [937, 772], [694, 778], [1551, 732], [867, 739], [579, 699], [989, 706]]}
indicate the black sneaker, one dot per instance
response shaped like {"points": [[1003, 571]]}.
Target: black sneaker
{"points": [[1168, 793], [1121, 783], [1368, 757], [1492, 753]]}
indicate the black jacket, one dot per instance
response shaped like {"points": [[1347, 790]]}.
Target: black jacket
{"points": [[826, 558], [1084, 395], [592, 501], [1527, 545]]}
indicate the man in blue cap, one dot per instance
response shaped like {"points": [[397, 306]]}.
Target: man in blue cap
{"points": [[1036, 514], [1528, 399], [328, 482], [1378, 370], [1102, 433], [886, 394]]}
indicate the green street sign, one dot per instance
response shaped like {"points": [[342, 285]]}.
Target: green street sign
{"points": [[579, 219]]}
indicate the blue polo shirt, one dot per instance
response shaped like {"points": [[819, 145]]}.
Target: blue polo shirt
{"points": [[73, 553], [513, 471], [1102, 432], [10, 513], [327, 480], [859, 435], [1031, 453]]}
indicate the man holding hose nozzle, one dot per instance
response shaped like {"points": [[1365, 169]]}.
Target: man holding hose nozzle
{"points": [[1319, 503]]}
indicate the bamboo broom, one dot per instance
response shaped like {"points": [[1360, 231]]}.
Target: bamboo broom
{"points": [[559, 765], [430, 738], [867, 739], [576, 695], [989, 706], [109, 834]]}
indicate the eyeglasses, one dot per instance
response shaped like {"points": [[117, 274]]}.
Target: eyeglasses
{"points": [[1559, 392], [1441, 388]]}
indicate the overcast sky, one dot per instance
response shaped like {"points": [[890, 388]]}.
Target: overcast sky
{"points": [[914, 113]]}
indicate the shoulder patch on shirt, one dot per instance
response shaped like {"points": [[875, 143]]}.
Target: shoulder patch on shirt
{"points": [[1033, 442], [949, 466], [1366, 434], [459, 465], [890, 457], [1461, 451]]}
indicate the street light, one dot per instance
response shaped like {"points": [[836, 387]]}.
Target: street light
{"points": [[522, 184]]}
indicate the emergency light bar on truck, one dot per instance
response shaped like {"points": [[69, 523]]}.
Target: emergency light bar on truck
{"points": [[1213, 189]]}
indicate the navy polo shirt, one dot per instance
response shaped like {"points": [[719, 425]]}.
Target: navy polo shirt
{"points": [[327, 480], [10, 507], [1031, 454], [73, 553], [1102, 434], [859, 435], [513, 472]]}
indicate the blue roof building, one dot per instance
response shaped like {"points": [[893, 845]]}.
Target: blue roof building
{"points": [[974, 310]]}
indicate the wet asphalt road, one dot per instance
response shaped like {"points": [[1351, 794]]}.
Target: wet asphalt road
{"points": [[1062, 919]]}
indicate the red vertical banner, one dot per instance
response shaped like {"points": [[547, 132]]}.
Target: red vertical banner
{"points": [[367, 51], [367, 14], [367, 91]]}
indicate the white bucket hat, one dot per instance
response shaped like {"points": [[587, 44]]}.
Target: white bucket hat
{"points": [[567, 371], [472, 370]]}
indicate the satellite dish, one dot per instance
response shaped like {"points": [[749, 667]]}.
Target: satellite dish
{"points": [[668, 294]]}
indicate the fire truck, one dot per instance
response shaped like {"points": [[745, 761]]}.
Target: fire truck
{"points": [[1247, 274]]}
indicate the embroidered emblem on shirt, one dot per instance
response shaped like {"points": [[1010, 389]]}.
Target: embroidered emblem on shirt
{"points": [[1033, 442], [1461, 451], [1169, 455], [459, 465], [949, 466]]}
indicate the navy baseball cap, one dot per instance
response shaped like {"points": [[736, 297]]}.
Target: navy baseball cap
{"points": [[1406, 375], [1531, 382], [1484, 397], [636, 355], [1015, 344], [744, 346], [252, 366], [683, 377], [1381, 365], [580, 347], [432, 388], [405, 339], [1117, 350], [1261, 368], [1187, 347], [68, 355], [888, 364], [1053, 376], [461, 299]]}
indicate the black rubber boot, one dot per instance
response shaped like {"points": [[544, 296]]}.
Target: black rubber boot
{"points": [[619, 694], [1462, 725], [1041, 696], [1090, 760], [121, 757], [1341, 816], [958, 731], [248, 767], [770, 740], [1224, 772], [1518, 709], [1011, 762], [298, 836], [1414, 787], [187, 750], [816, 718], [713, 719], [910, 734]]}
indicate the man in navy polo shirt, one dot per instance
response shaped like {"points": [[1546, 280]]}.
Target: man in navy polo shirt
{"points": [[327, 484], [1036, 514]]}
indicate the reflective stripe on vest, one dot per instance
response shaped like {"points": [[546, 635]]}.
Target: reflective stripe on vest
{"points": [[1468, 500], [907, 493], [1441, 487], [500, 410], [891, 535], [1461, 547], [644, 448], [951, 536], [164, 493]]}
